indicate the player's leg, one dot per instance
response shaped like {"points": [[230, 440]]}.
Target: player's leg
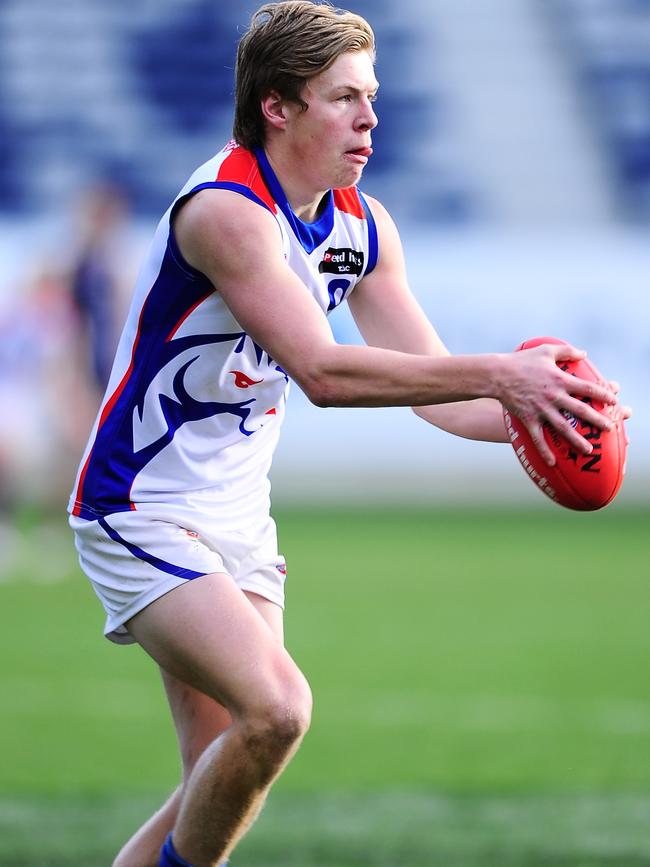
{"points": [[143, 848], [198, 720], [208, 635]]}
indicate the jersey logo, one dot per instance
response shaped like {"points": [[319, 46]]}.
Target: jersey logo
{"points": [[244, 381], [341, 260], [153, 431]]}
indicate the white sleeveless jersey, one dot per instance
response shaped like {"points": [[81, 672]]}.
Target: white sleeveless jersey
{"points": [[193, 409]]}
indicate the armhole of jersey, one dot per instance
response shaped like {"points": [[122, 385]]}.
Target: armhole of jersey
{"points": [[373, 243], [214, 185]]}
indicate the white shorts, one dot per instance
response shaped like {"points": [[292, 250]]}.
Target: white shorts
{"points": [[133, 558]]}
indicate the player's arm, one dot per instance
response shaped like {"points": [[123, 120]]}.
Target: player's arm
{"points": [[388, 315], [236, 244]]}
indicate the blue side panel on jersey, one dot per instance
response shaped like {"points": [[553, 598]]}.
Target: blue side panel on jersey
{"points": [[373, 244], [141, 554], [310, 235]]}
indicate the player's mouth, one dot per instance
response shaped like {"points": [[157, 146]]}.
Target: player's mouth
{"points": [[359, 155]]}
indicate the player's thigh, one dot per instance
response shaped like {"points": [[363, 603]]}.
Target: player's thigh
{"points": [[199, 719], [208, 635], [270, 612]]}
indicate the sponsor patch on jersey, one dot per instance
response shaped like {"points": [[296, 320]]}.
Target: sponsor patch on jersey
{"points": [[341, 260]]}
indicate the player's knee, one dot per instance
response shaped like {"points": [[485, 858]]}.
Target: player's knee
{"points": [[280, 721], [275, 732], [299, 704], [288, 715]]}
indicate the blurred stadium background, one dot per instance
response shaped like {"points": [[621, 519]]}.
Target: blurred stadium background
{"points": [[513, 149], [514, 152]]}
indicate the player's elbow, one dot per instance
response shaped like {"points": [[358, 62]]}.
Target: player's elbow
{"points": [[320, 389], [330, 378], [322, 382]]}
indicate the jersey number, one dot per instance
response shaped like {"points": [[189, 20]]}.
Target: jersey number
{"points": [[334, 287]]}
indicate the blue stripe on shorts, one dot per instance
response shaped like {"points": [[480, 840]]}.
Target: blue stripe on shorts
{"points": [[141, 554]]}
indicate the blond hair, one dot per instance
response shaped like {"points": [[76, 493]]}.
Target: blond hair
{"points": [[286, 44]]}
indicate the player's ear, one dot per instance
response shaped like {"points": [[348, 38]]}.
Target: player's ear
{"points": [[274, 109]]}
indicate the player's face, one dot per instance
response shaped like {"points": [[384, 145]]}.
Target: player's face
{"points": [[331, 140]]}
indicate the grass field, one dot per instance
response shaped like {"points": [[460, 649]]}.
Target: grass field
{"points": [[481, 697]]}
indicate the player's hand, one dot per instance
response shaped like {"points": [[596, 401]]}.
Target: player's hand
{"points": [[539, 392]]}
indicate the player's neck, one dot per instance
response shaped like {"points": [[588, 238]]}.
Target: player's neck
{"points": [[304, 200]]}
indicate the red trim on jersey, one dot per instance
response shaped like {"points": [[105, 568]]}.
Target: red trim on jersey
{"points": [[186, 314], [348, 200], [105, 413], [118, 391], [240, 167]]}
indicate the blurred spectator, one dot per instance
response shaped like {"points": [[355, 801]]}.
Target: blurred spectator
{"points": [[95, 279], [45, 402]]}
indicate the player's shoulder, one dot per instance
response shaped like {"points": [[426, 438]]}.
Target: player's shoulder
{"points": [[225, 215], [220, 225], [219, 185], [238, 168], [226, 194], [219, 219]]}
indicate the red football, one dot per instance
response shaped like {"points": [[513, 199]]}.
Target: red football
{"points": [[582, 482]]}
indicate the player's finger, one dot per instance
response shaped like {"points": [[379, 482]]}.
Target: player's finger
{"points": [[564, 425], [619, 413], [598, 391], [582, 410], [536, 431], [565, 352]]}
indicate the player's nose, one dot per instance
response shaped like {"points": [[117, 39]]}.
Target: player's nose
{"points": [[368, 119]]}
